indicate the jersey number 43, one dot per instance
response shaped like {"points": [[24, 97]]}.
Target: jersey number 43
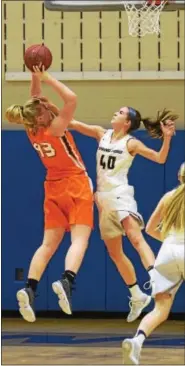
{"points": [[108, 162]]}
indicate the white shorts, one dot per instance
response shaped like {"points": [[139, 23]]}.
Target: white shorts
{"points": [[114, 207], [169, 268]]}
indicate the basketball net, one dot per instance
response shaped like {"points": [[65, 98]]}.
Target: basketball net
{"points": [[146, 19]]}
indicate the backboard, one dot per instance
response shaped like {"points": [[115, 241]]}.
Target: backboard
{"points": [[103, 5]]}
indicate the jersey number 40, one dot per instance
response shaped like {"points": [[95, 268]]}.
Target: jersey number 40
{"points": [[108, 162]]}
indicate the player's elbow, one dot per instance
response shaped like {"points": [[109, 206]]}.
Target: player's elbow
{"points": [[72, 99], [147, 229], [161, 159], [72, 103]]}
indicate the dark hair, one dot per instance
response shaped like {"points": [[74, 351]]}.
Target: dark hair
{"points": [[153, 126]]}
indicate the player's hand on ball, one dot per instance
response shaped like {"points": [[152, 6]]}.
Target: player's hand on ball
{"points": [[41, 74], [168, 128]]}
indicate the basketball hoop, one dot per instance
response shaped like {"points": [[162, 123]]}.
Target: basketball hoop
{"points": [[144, 19]]}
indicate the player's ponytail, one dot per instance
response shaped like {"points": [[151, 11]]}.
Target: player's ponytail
{"points": [[14, 114], [25, 114], [174, 212], [153, 126]]}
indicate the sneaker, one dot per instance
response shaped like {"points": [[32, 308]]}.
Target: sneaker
{"points": [[150, 285], [136, 307], [131, 351], [25, 298], [63, 289]]}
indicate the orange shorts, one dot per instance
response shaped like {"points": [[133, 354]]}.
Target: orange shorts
{"points": [[68, 202]]}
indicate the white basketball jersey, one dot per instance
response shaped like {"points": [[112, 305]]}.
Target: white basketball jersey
{"points": [[113, 162]]}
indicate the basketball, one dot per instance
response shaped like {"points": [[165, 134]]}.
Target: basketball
{"points": [[37, 54]]}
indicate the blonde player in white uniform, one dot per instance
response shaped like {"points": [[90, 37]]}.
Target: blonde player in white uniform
{"points": [[118, 213], [166, 224]]}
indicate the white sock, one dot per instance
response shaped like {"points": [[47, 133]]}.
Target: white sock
{"points": [[151, 274], [140, 338], [135, 291]]}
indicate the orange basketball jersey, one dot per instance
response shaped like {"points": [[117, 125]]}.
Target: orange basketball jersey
{"points": [[59, 155]]}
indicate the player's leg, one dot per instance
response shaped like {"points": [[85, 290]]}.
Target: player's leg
{"points": [[134, 234], [132, 347], [168, 279], [55, 225], [139, 300], [79, 243], [41, 258], [81, 224], [122, 262], [111, 232]]}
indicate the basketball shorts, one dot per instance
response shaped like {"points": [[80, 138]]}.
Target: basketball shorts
{"points": [[68, 202], [169, 268], [113, 209]]}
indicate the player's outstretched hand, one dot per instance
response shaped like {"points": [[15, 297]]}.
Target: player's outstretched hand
{"points": [[168, 128], [39, 71]]}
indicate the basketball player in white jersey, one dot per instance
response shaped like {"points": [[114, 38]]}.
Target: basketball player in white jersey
{"points": [[118, 213], [166, 224]]}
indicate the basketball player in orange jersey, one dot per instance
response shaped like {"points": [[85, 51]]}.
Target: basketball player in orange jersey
{"points": [[118, 214], [68, 203]]}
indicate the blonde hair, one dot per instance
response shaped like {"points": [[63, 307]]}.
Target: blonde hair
{"points": [[27, 113], [174, 208], [181, 173]]}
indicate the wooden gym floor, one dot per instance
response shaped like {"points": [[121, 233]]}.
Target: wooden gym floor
{"points": [[86, 342]]}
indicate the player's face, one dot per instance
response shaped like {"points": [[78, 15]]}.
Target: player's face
{"points": [[121, 120], [45, 116]]}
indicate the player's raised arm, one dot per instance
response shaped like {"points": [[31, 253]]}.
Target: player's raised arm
{"points": [[35, 88], [88, 130], [152, 227], [65, 114], [163, 127]]}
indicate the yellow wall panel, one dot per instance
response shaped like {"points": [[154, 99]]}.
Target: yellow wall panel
{"points": [[98, 100], [3, 44], [169, 41], [71, 41], [110, 24], [81, 33], [33, 20], [110, 53], [14, 36], [90, 25], [182, 25], [130, 54], [182, 56], [149, 52], [91, 55], [53, 37], [181, 18], [129, 47], [71, 25]]}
